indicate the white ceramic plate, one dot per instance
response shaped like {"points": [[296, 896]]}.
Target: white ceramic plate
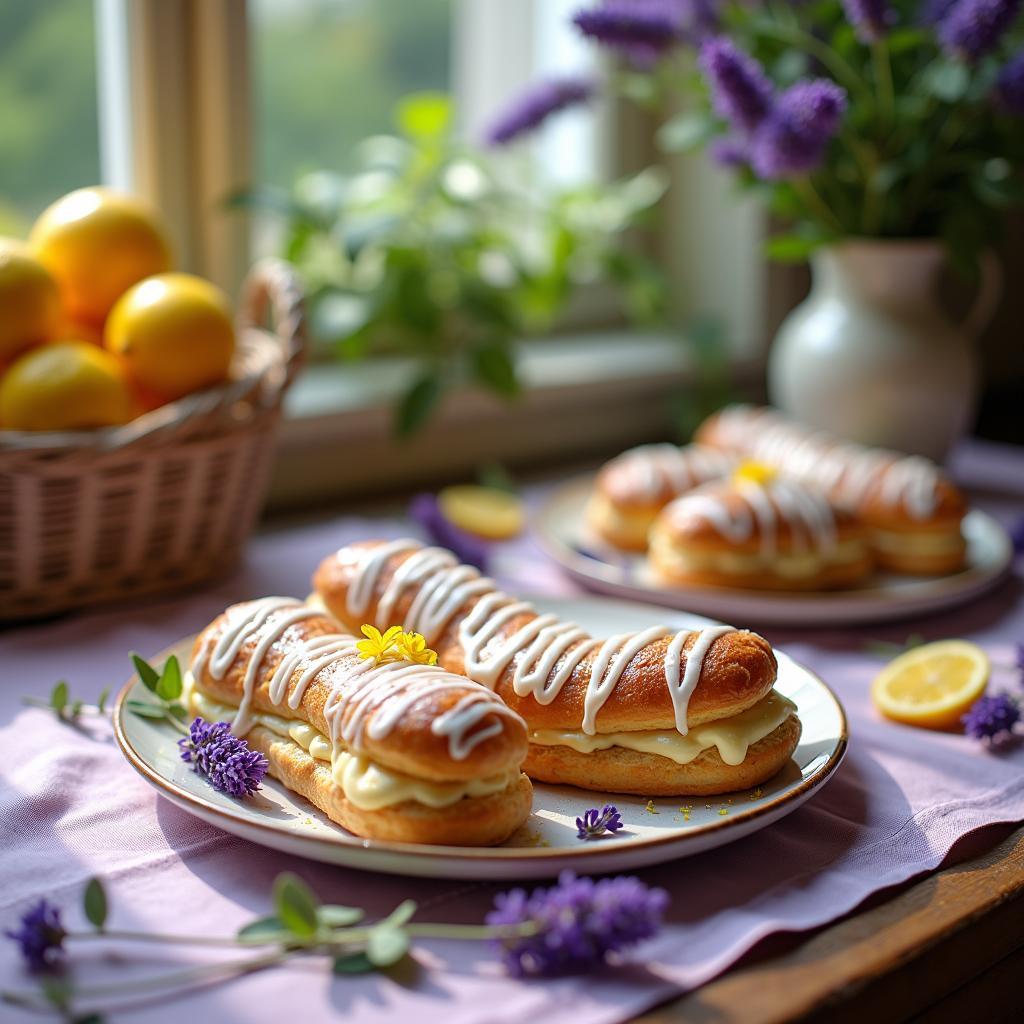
{"points": [[547, 843], [561, 528]]}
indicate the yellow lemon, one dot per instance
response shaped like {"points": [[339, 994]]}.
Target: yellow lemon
{"points": [[173, 332], [69, 385], [29, 303], [485, 511], [97, 244], [932, 685]]}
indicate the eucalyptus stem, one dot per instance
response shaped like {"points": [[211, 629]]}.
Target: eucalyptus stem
{"points": [[810, 195], [883, 80], [180, 940], [840, 68]]}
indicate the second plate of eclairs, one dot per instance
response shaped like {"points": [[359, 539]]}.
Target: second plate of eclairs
{"points": [[765, 519], [472, 747]]}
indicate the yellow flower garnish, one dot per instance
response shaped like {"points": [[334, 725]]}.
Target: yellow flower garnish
{"points": [[395, 645], [377, 645], [413, 647], [754, 472]]}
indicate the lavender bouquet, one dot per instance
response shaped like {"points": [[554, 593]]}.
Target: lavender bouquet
{"points": [[899, 119]]}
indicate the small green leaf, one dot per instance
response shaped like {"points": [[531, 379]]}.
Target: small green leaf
{"points": [[417, 404], [178, 711], [101, 702], [331, 915], [352, 963], [686, 132], [295, 904], [59, 697], [149, 675], [56, 990], [168, 687], [401, 914], [75, 709], [424, 115], [386, 945], [95, 903], [493, 367], [263, 931], [145, 710]]}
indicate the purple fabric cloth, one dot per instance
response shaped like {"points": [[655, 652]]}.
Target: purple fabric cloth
{"points": [[70, 808]]}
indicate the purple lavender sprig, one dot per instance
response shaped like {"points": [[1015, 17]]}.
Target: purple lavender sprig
{"points": [[40, 937], [740, 89], [535, 106], [992, 719], [871, 18], [641, 30], [973, 28], [576, 923], [467, 547], [596, 822], [1010, 94], [792, 140], [223, 758]]}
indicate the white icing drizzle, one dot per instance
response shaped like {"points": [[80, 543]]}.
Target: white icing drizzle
{"points": [[651, 471], [848, 471], [365, 699], [545, 651], [762, 508]]}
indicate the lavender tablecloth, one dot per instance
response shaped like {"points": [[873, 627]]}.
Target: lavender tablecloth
{"points": [[70, 808]]}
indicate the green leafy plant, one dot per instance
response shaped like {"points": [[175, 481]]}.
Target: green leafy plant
{"points": [[427, 251]]}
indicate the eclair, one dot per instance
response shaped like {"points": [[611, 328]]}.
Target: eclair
{"points": [[634, 487], [394, 750], [656, 713], [758, 530], [912, 511]]}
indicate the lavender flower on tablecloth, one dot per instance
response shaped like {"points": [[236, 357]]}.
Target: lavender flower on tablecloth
{"points": [[223, 758], [578, 923], [740, 90], [792, 140], [992, 718], [40, 937], [973, 28], [871, 18], [530, 110], [596, 822], [468, 548], [1010, 93], [728, 151]]}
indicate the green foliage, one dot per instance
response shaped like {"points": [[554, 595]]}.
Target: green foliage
{"points": [[166, 686], [925, 149], [94, 904], [426, 251]]}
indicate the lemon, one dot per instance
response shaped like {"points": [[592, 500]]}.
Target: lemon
{"points": [[97, 244], [29, 303], [69, 385], [932, 685], [485, 511], [173, 332]]}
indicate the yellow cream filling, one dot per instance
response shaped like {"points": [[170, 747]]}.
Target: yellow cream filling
{"points": [[368, 785], [917, 544], [732, 736], [791, 565]]}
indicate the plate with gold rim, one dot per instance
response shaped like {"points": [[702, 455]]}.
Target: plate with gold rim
{"points": [[561, 528], [655, 831]]}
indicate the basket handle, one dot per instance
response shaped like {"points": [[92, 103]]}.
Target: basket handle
{"points": [[272, 292]]}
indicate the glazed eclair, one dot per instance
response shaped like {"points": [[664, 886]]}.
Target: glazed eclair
{"points": [[659, 712], [393, 750]]}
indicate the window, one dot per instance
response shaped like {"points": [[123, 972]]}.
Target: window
{"points": [[48, 106]]}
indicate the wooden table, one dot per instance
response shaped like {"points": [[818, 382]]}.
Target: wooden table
{"points": [[948, 948]]}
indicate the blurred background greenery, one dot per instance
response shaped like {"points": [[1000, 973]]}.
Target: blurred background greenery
{"points": [[310, 59]]}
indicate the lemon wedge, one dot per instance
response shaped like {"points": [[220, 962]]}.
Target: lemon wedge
{"points": [[485, 511], [933, 685]]}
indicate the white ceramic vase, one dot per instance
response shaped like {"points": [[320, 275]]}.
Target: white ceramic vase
{"points": [[871, 355]]}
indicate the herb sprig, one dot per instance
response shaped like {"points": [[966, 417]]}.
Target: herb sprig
{"points": [[66, 707], [532, 933], [166, 686]]}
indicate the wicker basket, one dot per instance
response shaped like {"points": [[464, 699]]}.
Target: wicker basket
{"points": [[164, 502]]}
